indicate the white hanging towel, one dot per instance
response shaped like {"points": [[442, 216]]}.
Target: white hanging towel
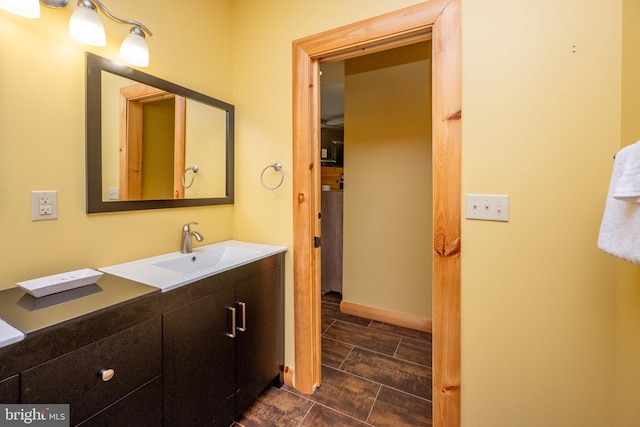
{"points": [[620, 228]]}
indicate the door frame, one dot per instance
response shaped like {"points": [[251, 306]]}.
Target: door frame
{"points": [[131, 118], [438, 20]]}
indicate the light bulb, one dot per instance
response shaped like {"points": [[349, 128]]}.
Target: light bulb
{"points": [[134, 48], [86, 27], [24, 8]]}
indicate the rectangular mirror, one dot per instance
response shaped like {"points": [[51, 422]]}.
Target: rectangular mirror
{"points": [[154, 144]]}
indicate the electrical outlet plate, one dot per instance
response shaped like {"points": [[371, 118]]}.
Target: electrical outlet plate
{"points": [[488, 207], [44, 205], [114, 193]]}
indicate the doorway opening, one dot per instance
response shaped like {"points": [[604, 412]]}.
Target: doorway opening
{"points": [[376, 198], [332, 128], [438, 20]]}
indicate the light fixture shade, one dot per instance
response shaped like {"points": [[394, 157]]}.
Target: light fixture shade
{"points": [[134, 49], [24, 8], [86, 27]]}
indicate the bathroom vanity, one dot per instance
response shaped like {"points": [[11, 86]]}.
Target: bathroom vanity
{"points": [[126, 353], [233, 342]]}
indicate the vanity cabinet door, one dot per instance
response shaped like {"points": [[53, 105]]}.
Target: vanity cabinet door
{"points": [[82, 379], [258, 350], [198, 373], [10, 390]]}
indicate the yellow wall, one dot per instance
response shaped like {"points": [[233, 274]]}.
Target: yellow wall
{"points": [[628, 308], [388, 186], [225, 49], [206, 129], [541, 122], [262, 68], [42, 140], [111, 131]]}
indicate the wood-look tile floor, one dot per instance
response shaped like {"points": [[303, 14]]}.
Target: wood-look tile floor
{"points": [[373, 374]]}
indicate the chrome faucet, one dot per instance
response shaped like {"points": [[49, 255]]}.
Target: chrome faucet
{"points": [[187, 234]]}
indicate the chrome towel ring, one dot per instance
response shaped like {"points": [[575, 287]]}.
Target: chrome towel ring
{"points": [[277, 166], [194, 170]]}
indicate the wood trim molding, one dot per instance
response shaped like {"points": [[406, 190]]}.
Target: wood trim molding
{"points": [[378, 30], [289, 375], [442, 19], [447, 141], [305, 206], [399, 319], [179, 146]]}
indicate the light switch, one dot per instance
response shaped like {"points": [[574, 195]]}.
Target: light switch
{"points": [[488, 207], [44, 205]]}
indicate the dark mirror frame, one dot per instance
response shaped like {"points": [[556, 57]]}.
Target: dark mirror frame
{"points": [[95, 65]]}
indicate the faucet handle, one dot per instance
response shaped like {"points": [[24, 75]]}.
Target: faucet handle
{"points": [[187, 226]]}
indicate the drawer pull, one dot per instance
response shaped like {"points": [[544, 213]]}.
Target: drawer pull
{"points": [[107, 374], [243, 313], [232, 313]]}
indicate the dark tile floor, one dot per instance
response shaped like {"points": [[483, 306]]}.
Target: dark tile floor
{"points": [[373, 374]]}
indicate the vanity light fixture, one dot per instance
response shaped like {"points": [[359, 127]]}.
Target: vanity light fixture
{"points": [[134, 48], [24, 8], [86, 27]]}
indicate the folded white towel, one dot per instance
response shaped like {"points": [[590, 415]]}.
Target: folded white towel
{"points": [[627, 188], [620, 228]]}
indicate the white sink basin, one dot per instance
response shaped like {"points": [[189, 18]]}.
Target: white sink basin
{"points": [[173, 270], [205, 259]]}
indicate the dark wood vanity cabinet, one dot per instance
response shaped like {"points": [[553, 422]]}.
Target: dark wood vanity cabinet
{"points": [[222, 350], [142, 408], [259, 358], [105, 378], [197, 355], [10, 390], [199, 368]]}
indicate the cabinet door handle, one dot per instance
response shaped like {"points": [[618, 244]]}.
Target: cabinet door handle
{"points": [[232, 313], [243, 313], [107, 374]]}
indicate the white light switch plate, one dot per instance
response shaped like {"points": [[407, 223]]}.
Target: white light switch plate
{"points": [[44, 205], [488, 207]]}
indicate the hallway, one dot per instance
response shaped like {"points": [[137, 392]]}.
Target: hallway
{"points": [[374, 374]]}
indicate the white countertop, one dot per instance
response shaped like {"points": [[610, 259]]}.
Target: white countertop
{"points": [[9, 334], [150, 271]]}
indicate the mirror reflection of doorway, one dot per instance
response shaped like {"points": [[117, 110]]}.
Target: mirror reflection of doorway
{"points": [[152, 143]]}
